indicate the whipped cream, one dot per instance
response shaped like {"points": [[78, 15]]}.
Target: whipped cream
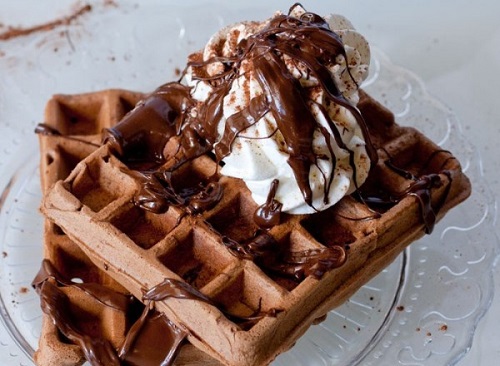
{"points": [[258, 154]]}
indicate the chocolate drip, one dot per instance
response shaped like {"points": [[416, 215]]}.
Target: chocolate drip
{"points": [[211, 113], [54, 303], [402, 172], [152, 340], [312, 262], [421, 188], [269, 214], [239, 122], [158, 193], [172, 288], [141, 135], [205, 198], [47, 130], [290, 110], [310, 42], [265, 251], [153, 195], [177, 289], [99, 292]]}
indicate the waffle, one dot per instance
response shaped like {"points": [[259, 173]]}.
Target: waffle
{"points": [[137, 250], [71, 132]]}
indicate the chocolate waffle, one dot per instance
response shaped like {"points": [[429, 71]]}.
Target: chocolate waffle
{"points": [[71, 132], [210, 271]]}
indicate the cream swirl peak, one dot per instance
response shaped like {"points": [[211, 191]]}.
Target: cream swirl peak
{"points": [[275, 101], [289, 86]]}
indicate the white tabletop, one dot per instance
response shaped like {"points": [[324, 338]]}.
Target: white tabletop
{"points": [[453, 45]]}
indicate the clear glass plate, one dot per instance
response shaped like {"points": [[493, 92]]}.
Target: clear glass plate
{"points": [[421, 310]]}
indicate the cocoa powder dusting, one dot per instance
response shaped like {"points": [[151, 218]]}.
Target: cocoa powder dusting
{"points": [[15, 32]]}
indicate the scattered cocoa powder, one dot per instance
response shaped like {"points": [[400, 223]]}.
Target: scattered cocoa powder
{"points": [[14, 32]]}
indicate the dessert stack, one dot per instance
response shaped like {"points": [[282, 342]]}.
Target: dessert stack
{"points": [[148, 237]]}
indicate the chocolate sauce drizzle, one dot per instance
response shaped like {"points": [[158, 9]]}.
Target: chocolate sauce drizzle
{"points": [[158, 192], [165, 118], [421, 187], [56, 304], [111, 299], [141, 136], [152, 340], [47, 130], [308, 41], [273, 257], [167, 113], [172, 288], [268, 214]]}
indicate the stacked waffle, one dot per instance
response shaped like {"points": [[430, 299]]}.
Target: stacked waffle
{"points": [[72, 131], [154, 238], [97, 234]]}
